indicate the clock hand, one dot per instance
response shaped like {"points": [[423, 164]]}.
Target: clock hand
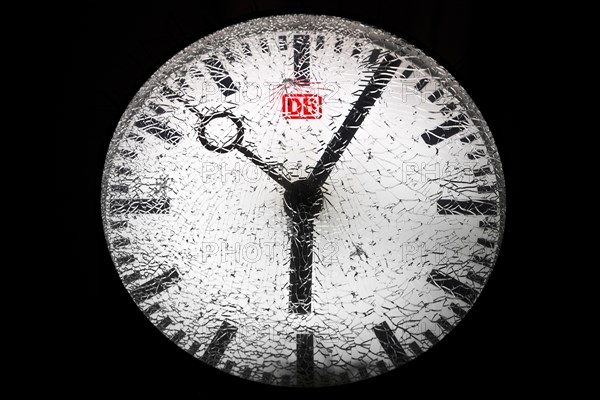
{"points": [[268, 168], [303, 199], [301, 265], [302, 204], [236, 143], [355, 118]]}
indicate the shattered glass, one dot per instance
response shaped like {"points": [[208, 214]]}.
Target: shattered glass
{"points": [[303, 201]]}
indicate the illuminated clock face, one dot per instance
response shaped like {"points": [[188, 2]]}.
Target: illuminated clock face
{"points": [[303, 201]]}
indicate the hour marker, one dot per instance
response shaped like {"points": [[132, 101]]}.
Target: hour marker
{"points": [[421, 84], [356, 49], [414, 347], [128, 259], [469, 138], [407, 73], [488, 224], [135, 137], [196, 72], [465, 207], [452, 286], [194, 347], [134, 276], [344, 377], [267, 378], [476, 154], [229, 55], [170, 93], [121, 242], [482, 260], [159, 129], [282, 43], [128, 154], [435, 96], [456, 309], [305, 356], [152, 309], [118, 224], [362, 371], [448, 108], [139, 206], [390, 344], [155, 285], [486, 189], [220, 76], [320, 42], [264, 46], [445, 130], [219, 343], [246, 50], [178, 336], [373, 56], [157, 109], [381, 367], [482, 171], [338, 45], [119, 188], [431, 337], [486, 242], [123, 171], [444, 324], [164, 323], [302, 59], [182, 83], [475, 278], [246, 373], [228, 366]]}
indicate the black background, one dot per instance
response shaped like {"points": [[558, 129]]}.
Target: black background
{"points": [[112, 51]]}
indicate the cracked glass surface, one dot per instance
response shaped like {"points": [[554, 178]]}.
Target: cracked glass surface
{"points": [[303, 201]]}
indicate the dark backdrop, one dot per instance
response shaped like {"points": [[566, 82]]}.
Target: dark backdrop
{"points": [[111, 349]]}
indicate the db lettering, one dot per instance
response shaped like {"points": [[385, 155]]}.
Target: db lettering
{"points": [[302, 106]]}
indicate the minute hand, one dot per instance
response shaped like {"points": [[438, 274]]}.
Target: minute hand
{"points": [[355, 118]]}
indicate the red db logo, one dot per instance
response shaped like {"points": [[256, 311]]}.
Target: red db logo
{"points": [[302, 106]]}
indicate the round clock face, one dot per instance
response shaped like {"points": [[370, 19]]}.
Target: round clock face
{"points": [[303, 201]]}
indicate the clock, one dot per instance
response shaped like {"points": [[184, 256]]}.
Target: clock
{"points": [[303, 200]]}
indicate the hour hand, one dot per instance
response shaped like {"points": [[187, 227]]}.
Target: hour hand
{"points": [[235, 142], [269, 168]]}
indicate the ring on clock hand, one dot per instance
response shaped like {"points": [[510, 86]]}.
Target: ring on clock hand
{"points": [[234, 144], [355, 118], [304, 198]]}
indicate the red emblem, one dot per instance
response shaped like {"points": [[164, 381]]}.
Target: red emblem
{"points": [[302, 106]]}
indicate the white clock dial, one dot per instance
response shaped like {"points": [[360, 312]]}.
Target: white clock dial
{"points": [[303, 200]]}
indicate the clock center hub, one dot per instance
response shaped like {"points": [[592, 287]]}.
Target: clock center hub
{"points": [[303, 198]]}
